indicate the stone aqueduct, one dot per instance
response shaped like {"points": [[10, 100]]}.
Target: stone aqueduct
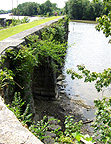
{"points": [[11, 130]]}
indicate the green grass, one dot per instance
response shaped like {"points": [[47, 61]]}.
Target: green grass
{"points": [[5, 33], [85, 21]]}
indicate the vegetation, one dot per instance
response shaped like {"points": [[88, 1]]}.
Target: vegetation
{"points": [[39, 128], [30, 55], [102, 123], [17, 107], [84, 9], [32, 8], [72, 133], [14, 22], [4, 11], [24, 60], [19, 28], [22, 64]]}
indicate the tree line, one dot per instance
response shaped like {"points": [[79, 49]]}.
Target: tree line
{"points": [[5, 11], [84, 9], [32, 8], [75, 9]]}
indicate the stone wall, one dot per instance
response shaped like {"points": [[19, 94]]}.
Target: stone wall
{"points": [[43, 80], [44, 83]]}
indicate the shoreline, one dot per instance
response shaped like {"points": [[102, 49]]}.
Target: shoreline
{"points": [[84, 21]]}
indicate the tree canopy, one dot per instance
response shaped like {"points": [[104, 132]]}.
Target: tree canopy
{"points": [[32, 8], [4, 11], [84, 9]]}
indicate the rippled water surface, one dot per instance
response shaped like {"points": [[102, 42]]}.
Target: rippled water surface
{"points": [[90, 48]]}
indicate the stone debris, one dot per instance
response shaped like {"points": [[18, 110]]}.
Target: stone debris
{"points": [[11, 130]]}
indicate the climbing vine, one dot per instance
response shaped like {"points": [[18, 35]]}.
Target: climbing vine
{"points": [[50, 48]]}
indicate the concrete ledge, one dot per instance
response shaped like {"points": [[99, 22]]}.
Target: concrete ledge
{"points": [[11, 130]]}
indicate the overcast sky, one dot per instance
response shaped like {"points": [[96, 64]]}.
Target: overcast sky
{"points": [[7, 4]]}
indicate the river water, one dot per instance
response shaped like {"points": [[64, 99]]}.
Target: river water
{"points": [[91, 48]]}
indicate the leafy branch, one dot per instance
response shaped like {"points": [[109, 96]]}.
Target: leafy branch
{"points": [[102, 79]]}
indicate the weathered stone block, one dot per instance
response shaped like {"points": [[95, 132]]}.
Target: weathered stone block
{"points": [[11, 130]]}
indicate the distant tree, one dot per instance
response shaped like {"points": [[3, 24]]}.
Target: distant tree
{"points": [[84, 9], [4, 11], [65, 9], [48, 7], [32, 8], [26, 9]]}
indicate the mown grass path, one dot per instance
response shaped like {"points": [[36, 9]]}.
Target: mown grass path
{"points": [[5, 33]]}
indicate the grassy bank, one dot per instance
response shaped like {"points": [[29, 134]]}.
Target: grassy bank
{"points": [[84, 21], [5, 33]]}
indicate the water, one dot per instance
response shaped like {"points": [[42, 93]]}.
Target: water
{"points": [[91, 48], [8, 16]]}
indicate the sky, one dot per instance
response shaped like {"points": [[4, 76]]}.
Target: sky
{"points": [[7, 4]]}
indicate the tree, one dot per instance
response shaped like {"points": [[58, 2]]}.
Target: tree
{"points": [[48, 7], [75, 9], [32, 8], [4, 11], [84, 9]]}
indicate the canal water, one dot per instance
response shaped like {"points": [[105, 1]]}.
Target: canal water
{"points": [[89, 47]]}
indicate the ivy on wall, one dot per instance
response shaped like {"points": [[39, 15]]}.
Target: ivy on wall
{"points": [[50, 46]]}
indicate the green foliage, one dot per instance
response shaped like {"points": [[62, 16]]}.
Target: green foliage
{"points": [[39, 128], [37, 51], [56, 32], [72, 133], [4, 11], [102, 79], [33, 8], [6, 78], [17, 21], [104, 23], [84, 9], [46, 48], [17, 107], [102, 123], [21, 111], [22, 63]]}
